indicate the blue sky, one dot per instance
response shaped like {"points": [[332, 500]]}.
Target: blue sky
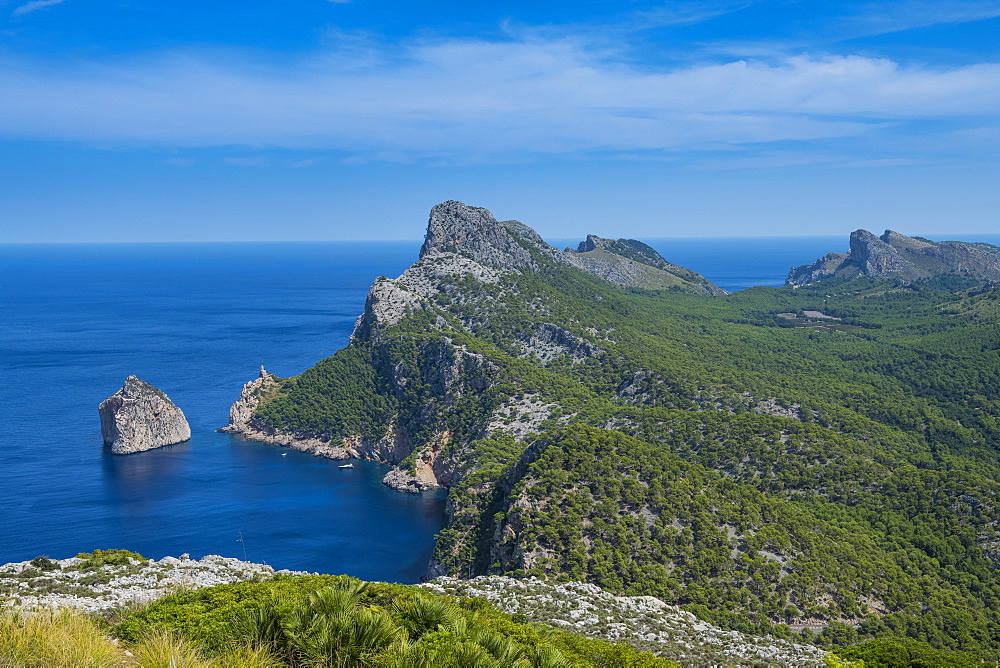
{"points": [[141, 120]]}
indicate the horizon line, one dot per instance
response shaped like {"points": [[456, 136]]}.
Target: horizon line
{"points": [[943, 237]]}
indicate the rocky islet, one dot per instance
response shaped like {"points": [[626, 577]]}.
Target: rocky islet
{"points": [[140, 417]]}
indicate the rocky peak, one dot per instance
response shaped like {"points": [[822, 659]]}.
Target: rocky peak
{"points": [[140, 417], [463, 240], [902, 241], [874, 256], [472, 231], [899, 256], [591, 243]]}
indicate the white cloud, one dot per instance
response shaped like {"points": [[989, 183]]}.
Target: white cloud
{"points": [[482, 100], [35, 5]]}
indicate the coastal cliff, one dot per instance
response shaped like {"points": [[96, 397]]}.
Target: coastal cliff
{"points": [[828, 472], [140, 417], [463, 246], [897, 256]]}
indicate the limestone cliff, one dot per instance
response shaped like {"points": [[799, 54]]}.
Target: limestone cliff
{"points": [[140, 417], [895, 255], [467, 265], [241, 412]]}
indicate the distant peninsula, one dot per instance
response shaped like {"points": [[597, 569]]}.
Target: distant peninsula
{"points": [[895, 255]]}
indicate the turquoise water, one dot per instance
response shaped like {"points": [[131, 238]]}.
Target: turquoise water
{"points": [[197, 320]]}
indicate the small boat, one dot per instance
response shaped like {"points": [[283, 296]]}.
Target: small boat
{"points": [[346, 466], [284, 454]]}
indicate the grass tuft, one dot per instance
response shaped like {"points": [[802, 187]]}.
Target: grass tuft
{"points": [[55, 639]]}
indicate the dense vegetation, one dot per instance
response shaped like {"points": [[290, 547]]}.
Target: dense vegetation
{"points": [[305, 621], [765, 475]]}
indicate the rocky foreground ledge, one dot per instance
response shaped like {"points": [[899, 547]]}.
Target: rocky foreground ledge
{"points": [[645, 622], [81, 584]]}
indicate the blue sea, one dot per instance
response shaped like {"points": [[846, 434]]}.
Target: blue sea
{"points": [[197, 320]]}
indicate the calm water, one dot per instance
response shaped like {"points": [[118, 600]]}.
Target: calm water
{"points": [[197, 320]]}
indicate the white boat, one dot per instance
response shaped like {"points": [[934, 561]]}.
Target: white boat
{"points": [[346, 466]]}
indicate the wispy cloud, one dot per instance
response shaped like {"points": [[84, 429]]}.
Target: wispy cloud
{"points": [[35, 5], [686, 13], [255, 161], [458, 100], [888, 17]]}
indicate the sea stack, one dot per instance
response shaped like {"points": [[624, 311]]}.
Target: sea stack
{"points": [[140, 417]]}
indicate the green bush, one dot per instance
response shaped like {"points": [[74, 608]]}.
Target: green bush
{"points": [[906, 653], [44, 564], [336, 620], [98, 558]]}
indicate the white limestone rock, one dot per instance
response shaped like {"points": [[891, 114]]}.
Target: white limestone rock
{"points": [[69, 583], [140, 417], [242, 410]]}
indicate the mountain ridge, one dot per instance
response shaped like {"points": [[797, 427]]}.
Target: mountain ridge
{"points": [[894, 255], [701, 449]]}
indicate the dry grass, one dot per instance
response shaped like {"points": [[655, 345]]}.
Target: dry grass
{"points": [[66, 639], [54, 640], [164, 649]]}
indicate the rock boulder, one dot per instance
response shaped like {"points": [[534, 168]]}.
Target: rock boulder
{"points": [[140, 417]]}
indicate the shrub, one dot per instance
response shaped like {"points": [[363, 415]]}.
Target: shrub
{"points": [[44, 564], [905, 652], [98, 558], [330, 620]]}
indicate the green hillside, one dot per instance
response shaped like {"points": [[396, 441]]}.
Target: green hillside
{"points": [[789, 473]]}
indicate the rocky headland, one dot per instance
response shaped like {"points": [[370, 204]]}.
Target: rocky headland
{"points": [[894, 255], [140, 417], [462, 243], [596, 426], [631, 263]]}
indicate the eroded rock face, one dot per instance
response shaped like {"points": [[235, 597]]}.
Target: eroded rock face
{"points": [[895, 255], [467, 259], [241, 412], [472, 231], [140, 417]]}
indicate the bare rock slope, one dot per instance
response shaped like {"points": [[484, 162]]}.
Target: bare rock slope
{"points": [[894, 255], [140, 417]]}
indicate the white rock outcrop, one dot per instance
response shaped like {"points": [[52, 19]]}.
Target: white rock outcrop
{"points": [[645, 622], [71, 583], [140, 417], [241, 412]]}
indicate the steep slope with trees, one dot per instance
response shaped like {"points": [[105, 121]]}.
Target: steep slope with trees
{"points": [[823, 459]]}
